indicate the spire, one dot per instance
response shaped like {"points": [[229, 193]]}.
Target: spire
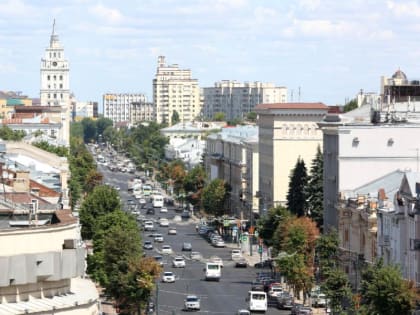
{"points": [[54, 38]]}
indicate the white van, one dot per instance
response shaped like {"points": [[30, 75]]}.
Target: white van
{"points": [[213, 271], [257, 301]]}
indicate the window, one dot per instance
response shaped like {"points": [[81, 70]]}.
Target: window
{"points": [[61, 95], [55, 96], [55, 77], [49, 96], [61, 85], [48, 77], [61, 77], [55, 55]]}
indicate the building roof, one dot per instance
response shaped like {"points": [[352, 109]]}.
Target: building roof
{"points": [[291, 106]]}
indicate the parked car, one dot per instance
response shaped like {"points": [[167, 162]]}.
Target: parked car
{"points": [[264, 264], [186, 246], [178, 262], [319, 300], [168, 276], [219, 243], [285, 301], [192, 302], [172, 231]]}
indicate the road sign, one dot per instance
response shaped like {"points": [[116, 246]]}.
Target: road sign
{"points": [[244, 238]]}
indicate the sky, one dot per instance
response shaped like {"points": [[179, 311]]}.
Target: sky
{"points": [[326, 49]]}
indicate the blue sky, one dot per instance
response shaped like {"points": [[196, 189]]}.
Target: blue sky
{"points": [[330, 49]]}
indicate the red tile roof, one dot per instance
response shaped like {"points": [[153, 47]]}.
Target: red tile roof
{"points": [[292, 106]]}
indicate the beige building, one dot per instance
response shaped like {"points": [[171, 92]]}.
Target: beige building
{"points": [[237, 99], [287, 131], [141, 111], [8, 101], [174, 90]]}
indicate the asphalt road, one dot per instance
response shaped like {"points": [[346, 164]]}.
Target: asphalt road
{"points": [[224, 297]]}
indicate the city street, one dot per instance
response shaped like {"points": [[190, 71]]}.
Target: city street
{"points": [[224, 297]]}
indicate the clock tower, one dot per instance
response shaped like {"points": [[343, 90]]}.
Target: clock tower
{"points": [[55, 89]]}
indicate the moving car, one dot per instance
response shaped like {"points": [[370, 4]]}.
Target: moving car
{"points": [[285, 301], [178, 262], [219, 243], [186, 246], [150, 211], [236, 254], [213, 271], [257, 301], [159, 259], [166, 249], [148, 245], [163, 209], [192, 302], [148, 226], [216, 259], [275, 290], [196, 255], [243, 312], [164, 222], [158, 238], [168, 276], [172, 231], [241, 263]]}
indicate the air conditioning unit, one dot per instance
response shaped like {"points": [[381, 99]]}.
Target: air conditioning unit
{"points": [[70, 244]]}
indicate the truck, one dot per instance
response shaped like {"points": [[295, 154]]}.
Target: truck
{"points": [[213, 271]]}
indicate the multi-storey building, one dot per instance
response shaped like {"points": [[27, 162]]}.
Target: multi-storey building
{"points": [[226, 158], [55, 90], [236, 99], [174, 90], [141, 111], [117, 106], [8, 101], [368, 142], [82, 110], [287, 131]]}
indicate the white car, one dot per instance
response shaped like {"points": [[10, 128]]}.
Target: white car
{"points": [[159, 238], [164, 222], [236, 254], [217, 260], [192, 302], [196, 255], [164, 209], [243, 312], [178, 262], [219, 243], [167, 249], [168, 276], [172, 231]]}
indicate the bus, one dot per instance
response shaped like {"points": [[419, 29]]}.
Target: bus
{"points": [[146, 190], [157, 201]]}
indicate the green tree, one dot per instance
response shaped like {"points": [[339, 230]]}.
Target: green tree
{"points": [[268, 223], [58, 150], [296, 196], [89, 130], [102, 124], [315, 189], [214, 197], [7, 133], [384, 291], [327, 250], [93, 179], [349, 106], [175, 118], [194, 183], [102, 200], [219, 116], [337, 289], [252, 116]]}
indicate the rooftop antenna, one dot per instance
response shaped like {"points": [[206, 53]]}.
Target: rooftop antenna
{"points": [[53, 27], [299, 94]]}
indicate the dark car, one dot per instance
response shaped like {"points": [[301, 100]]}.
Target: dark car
{"points": [[186, 246], [264, 264], [257, 286], [150, 211], [284, 301], [241, 263], [185, 214]]}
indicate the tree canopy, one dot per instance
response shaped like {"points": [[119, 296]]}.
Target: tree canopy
{"points": [[214, 197], [315, 189], [349, 106], [219, 116], [7, 133]]}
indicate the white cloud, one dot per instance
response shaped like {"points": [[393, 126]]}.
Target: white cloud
{"points": [[318, 28], [13, 8], [107, 14], [214, 6], [411, 8], [309, 5], [264, 14]]}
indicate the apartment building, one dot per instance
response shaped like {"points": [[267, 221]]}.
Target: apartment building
{"points": [[118, 106], [226, 158], [10, 99], [80, 110], [287, 131], [174, 90], [237, 99], [141, 111]]}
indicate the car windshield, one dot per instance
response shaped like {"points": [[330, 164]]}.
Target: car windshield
{"points": [[179, 259], [192, 299], [257, 296], [168, 273]]}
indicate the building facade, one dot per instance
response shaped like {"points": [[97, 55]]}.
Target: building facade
{"points": [[8, 101], [141, 111], [287, 131], [226, 158], [174, 90], [236, 99], [117, 106], [82, 110], [370, 143], [398, 88]]}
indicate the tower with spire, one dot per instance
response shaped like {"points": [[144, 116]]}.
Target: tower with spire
{"points": [[55, 87]]}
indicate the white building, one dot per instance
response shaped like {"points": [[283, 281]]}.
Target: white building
{"points": [[118, 106], [236, 99], [287, 131], [399, 227], [82, 110], [174, 90], [55, 84], [141, 111], [226, 158], [369, 143]]}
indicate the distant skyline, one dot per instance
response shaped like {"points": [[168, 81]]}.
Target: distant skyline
{"points": [[327, 49]]}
